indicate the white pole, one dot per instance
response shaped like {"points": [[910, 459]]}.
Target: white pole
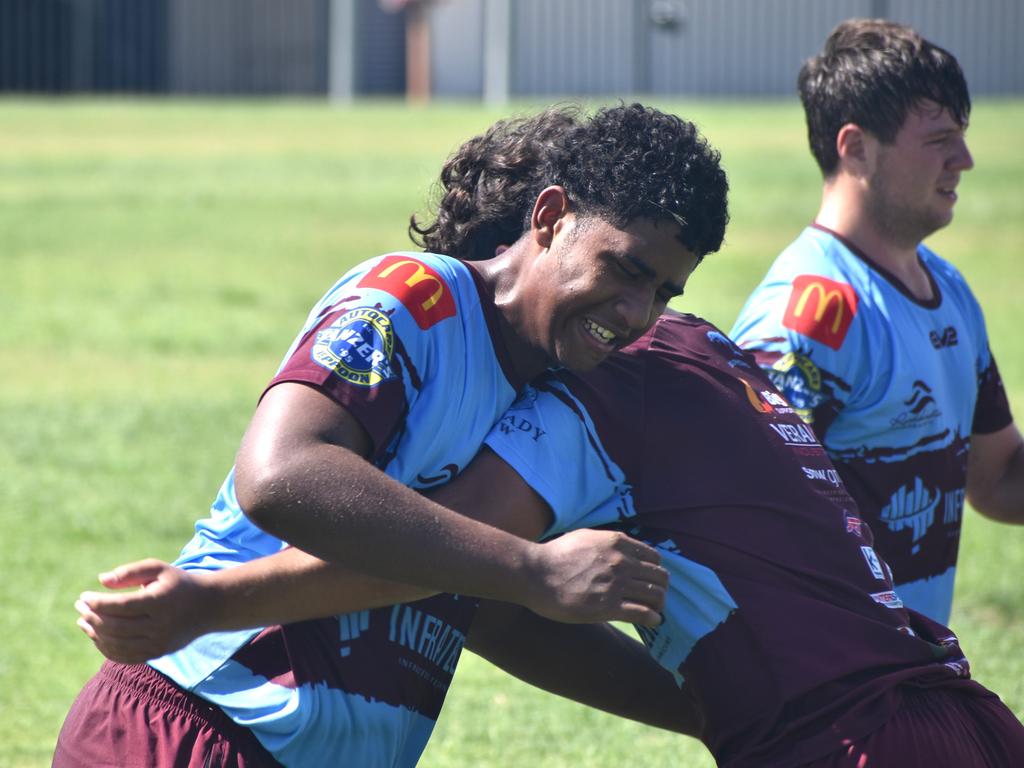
{"points": [[341, 51], [497, 51]]}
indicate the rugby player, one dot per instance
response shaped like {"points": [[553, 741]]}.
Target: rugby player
{"points": [[392, 384], [875, 339]]}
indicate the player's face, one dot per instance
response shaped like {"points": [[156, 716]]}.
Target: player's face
{"points": [[599, 288], [914, 179]]}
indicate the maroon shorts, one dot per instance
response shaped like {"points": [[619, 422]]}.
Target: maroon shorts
{"points": [[131, 716], [959, 727]]}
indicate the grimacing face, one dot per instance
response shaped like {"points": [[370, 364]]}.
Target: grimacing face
{"points": [[914, 179], [599, 288]]}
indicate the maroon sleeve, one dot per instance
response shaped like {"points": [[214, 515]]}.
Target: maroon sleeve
{"points": [[370, 388], [992, 411]]}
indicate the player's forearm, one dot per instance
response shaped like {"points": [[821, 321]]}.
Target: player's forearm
{"points": [[995, 475], [330, 502], [173, 606], [292, 586], [594, 664], [1003, 499]]}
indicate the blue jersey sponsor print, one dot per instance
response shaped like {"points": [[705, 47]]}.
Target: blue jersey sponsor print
{"points": [[894, 386], [780, 617], [408, 344]]}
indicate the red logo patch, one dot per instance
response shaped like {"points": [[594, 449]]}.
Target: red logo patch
{"points": [[821, 309], [420, 289]]}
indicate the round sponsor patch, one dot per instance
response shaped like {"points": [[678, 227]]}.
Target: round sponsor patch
{"points": [[357, 347], [800, 381]]}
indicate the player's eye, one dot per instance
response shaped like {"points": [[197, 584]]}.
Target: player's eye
{"points": [[632, 274]]}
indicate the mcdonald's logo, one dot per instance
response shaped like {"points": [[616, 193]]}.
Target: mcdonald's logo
{"points": [[421, 290], [821, 309]]}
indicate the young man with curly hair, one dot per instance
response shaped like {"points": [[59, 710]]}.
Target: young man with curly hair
{"points": [[391, 385]]}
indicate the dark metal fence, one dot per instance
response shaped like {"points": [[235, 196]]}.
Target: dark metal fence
{"points": [[75, 45], [190, 46]]}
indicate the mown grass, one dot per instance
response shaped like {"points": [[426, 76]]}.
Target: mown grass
{"points": [[156, 259]]}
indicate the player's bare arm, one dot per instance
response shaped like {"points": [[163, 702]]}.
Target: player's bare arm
{"points": [[995, 475], [594, 664], [596, 574], [175, 606], [301, 475]]}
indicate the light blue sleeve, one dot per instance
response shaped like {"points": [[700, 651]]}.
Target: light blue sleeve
{"points": [[547, 437]]}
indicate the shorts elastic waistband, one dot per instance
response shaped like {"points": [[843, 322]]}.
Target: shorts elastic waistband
{"points": [[146, 683]]}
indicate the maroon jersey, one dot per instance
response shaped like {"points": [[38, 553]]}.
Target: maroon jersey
{"points": [[780, 617]]}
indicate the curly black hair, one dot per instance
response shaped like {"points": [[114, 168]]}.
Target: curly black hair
{"points": [[872, 72], [621, 163]]}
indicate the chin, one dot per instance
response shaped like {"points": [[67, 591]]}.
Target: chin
{"points": [[938, 223], [581, 363]]}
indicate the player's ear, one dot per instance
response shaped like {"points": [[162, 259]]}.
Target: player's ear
{"points": [[550, 208], [852, 146]]}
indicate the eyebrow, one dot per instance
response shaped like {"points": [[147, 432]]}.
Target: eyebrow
{"points": [[668, 286], [948, 129], [944, 132]]}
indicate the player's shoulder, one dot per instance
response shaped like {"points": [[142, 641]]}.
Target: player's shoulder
{"points": [[680, 330], [680, 340], [815, 261], [426, 288], [813, 290], [411, 269], [818, 251]]}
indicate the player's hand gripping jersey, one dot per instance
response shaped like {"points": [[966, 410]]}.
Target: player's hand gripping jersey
{"points": [[780, 617], [893, 386], [408, 343]]}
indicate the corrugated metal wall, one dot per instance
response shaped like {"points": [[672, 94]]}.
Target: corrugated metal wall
{"points": [[380, 50], [456, 53], [190, 46], [554, 47], [987, 37], [739, 47], [735, 47], [247, 46], [72, 45], [574, 47]]}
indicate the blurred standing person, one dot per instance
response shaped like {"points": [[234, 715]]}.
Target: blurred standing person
{"points": [[875, 339]]}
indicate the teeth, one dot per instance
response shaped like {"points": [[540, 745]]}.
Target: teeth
{"points": [[598, 332]]}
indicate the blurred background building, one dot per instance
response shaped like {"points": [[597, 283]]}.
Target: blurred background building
{"points": [[493, 50]]}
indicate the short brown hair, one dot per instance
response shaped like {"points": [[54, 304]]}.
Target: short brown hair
{"points": [[872, 73]]}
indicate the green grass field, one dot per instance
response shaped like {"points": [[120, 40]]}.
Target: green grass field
{"points": [[156, 259]]}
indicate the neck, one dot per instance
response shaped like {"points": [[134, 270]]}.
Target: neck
{"points": [[844, 211], [503, 275]]}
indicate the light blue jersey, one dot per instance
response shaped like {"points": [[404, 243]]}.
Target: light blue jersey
{"points": [[893, 385], [408, 344]]}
